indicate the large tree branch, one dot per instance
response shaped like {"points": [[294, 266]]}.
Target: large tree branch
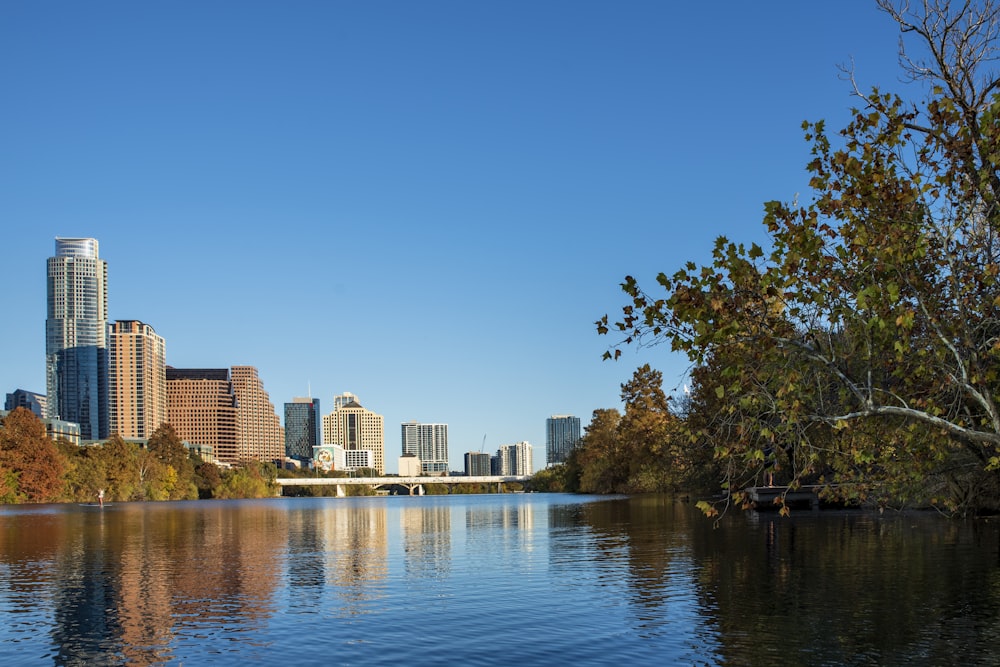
{"points": [[913, 414]]}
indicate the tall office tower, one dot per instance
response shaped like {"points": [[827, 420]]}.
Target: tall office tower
{"points": [[137, 379], [22, 398], [355, 429], [303, 428], [260, 433], [562, 432], [515, 459], [76, 322], [201, 406], [429, 443], [477, 464]]}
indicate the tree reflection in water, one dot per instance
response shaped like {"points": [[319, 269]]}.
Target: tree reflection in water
{"points": [[816, 588]]}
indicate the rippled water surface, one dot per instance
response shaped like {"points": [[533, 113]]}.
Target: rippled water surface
{"points": [[491, 580]]}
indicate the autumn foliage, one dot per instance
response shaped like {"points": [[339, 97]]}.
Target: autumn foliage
{"points": [[34, 469], [860, 349], [31, 467]]}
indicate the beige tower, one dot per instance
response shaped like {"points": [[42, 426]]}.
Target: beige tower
{"points": [[356, 429], [201, 406], [137, 379], [261, 435]]}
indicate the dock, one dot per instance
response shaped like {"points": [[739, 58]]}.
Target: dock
{"points": [[763, 497]]}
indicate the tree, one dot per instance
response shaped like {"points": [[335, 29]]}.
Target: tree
{"points": [[866, 338], [208, 479], [169, 450], [31, 467], [120, 462], [598, 464], [653, 453], [547, 480], [252, 480]]}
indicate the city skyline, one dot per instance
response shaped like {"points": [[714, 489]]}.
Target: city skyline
{"points": [[429, 207]]}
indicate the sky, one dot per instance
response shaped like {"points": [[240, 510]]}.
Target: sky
{"points": [[425, 203]]}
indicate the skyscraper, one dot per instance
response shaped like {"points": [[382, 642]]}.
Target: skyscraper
{"points": [[303, 428], [562, 432], [356, 429], [137, 383], [76, 354], [429, 442], [261, 437]]}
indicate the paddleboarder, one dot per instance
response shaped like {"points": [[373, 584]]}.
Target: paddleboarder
{"points": [[100, 497]]}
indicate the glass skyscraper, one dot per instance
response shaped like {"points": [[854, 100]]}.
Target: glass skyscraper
{"points": [[303, 428], [76, 352], [562, 432]]}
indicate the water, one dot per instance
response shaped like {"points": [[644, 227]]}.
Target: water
{"points": [[491, 580]]}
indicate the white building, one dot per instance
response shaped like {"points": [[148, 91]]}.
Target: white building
{"points": [[515, 459], [409, 466], [329, 457], [356, 459], [429, 443]]}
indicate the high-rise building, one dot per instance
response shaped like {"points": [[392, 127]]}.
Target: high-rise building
{"points": [[562, 433], [515, 459], [477, 464], [137, 379], [356, 429], [22, 398], [76, 355], [261, 437], [201, 406], [303, 428], [429, 443]]}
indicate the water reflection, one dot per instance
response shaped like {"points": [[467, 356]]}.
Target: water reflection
{"points": [[426, 541], [119, 585], [355, 545], [574, 580], [828, 588]]}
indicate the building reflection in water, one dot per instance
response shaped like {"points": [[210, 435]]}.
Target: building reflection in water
{"points": [[355, 547], [124, 583], [426, 541], [509, 530]]}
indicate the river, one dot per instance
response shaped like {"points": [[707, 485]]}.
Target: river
{"points": [[528, 579]]}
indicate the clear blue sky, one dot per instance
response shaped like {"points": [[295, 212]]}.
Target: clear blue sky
{"points": [[424, 203]]}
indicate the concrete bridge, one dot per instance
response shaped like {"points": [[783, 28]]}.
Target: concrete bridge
{"points": [[411, 483]]}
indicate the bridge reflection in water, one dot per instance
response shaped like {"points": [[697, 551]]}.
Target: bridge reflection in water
{"points": [[414, 484]]}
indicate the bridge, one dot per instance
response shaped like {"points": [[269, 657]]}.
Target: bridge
{"points": [[411, 483]]}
